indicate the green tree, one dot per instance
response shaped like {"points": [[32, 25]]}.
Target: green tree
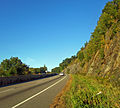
{"points": [[65, 63], [43, 69], [56, 70], [13, 66], [80, 56]]}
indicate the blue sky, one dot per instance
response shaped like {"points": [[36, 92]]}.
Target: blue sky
{"points": [[46, 31]]}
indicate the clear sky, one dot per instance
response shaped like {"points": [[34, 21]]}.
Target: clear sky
{"points": [[46, 31]]}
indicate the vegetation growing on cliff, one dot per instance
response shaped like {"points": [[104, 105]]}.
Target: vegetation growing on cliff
{"points": [[96, 68], [100, 55], [109, 19], [64, 64]]}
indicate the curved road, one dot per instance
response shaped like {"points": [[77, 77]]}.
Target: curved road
{"points": [[33, 94]]}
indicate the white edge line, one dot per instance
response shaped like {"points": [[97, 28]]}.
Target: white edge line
{"points": [[37, 94]]}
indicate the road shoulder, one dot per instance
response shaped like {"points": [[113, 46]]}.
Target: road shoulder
{"points": [[59, 101]]}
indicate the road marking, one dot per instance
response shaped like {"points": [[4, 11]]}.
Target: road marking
{"points": [[37, 93], [6, 90]]}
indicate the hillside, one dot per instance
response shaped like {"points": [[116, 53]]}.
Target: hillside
{"points": [[101, 55], [95, 70]]}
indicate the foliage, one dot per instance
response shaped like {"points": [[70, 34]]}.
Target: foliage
{"points": [[43, 69], [82, 64], [110, 14], [56, 70], [87, 92], [86, 43], [38, 70], [80, 56], [108, 21], [66, 62], [13, 66], [102, 53]]}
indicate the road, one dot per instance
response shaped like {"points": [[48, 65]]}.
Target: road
{"points": [[33, 94]]}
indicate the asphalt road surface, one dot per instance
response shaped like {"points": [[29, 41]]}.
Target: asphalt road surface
{"points": [[33, 94]]}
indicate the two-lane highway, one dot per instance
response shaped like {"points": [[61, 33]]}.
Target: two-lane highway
{"points": [[33, 94]]}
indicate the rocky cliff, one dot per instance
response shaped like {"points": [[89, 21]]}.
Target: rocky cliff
{"points": [[101, 56]]}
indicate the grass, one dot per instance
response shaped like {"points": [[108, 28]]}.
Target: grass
{"points": [[89, 92]]}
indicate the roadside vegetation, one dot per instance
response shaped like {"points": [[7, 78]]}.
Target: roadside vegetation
{"points": [[90, 92], [15, 67]]}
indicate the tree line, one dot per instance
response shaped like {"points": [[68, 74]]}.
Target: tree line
{"points": [[14, 67], [63, 64]]}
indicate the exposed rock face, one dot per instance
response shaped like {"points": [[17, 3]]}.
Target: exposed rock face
{"points": [[108, 67], [101, 55]]}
